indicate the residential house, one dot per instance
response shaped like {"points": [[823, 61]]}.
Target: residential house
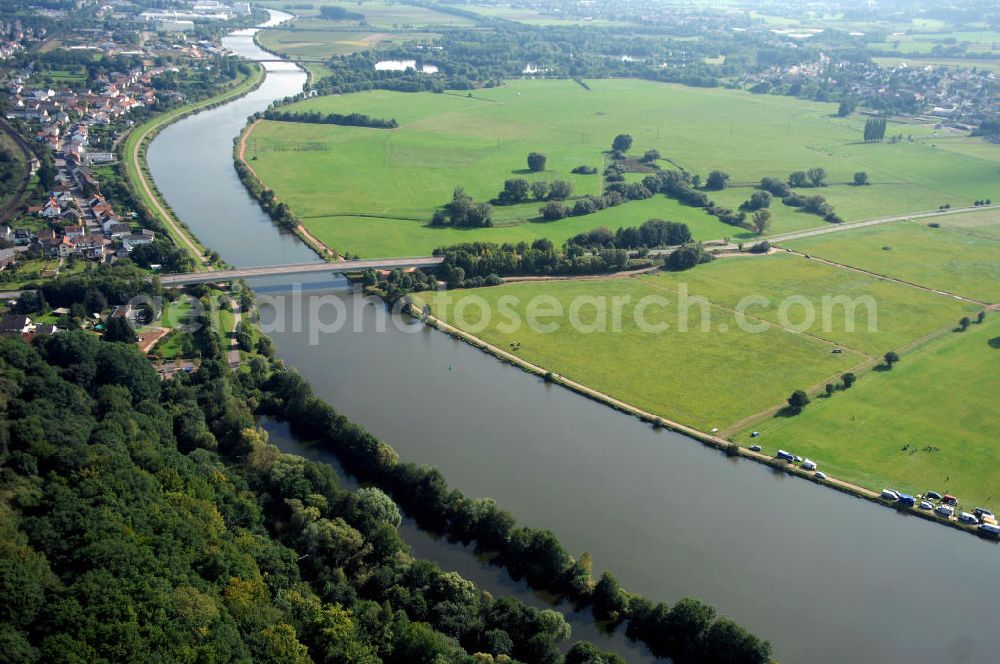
{"points": [[24, 237], [145, 236], [15, 324], [92, 246], [116, 229], [74, 232]]}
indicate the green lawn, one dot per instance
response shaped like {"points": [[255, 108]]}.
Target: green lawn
{"points": [[942, 396], [885, 315], [936, 258], [331, 175], [702, 378]]}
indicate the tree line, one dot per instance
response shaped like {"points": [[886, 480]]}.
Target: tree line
{"points": [[875, 129], [315, 117], [688, 631]]}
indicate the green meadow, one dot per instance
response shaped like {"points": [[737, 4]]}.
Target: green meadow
{"points": [[979, 222], [929, 423], [938, 258], [372, 191], [313, 39], [703, 378], [381, 15], [850, 309]]}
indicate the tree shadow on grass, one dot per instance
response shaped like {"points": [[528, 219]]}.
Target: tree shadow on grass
{"points": [[994, 343], [524, 171], [788, 411]]}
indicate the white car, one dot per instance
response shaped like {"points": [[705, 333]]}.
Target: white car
{"points": [[820, 475], [926, 505]]}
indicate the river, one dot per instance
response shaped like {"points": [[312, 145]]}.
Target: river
{"points": [[825, 577]]}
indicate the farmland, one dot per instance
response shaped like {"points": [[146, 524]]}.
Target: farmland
{"points": [[936, 258], [478, 141], [929, 423], [654, 370]]}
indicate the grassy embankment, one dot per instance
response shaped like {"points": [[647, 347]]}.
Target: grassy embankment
{"points": [[390, 181], [133, 154]]}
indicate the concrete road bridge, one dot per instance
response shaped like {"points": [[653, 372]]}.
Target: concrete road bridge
{"points": [[338, 267]]}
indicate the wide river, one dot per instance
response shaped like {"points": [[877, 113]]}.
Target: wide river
{"points": [[825, 577]]}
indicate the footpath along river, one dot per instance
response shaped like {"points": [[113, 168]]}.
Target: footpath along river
{"points": [[823, 576]]}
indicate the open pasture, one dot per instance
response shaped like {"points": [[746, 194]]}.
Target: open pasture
{"points": [[935, 258], [327, 172], [848, 308], [703, 378], [929, 423]]}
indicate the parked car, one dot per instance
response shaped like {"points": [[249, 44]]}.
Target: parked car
{"points": [[933, 495], [820, 475], [949, 500], [907, 500], [797, 458], [989, 529], [980, 512], [968, 517], [755, 448], [944, 510], [889, 494], [926, 505], [785, 456], [808, 464], [754, 434]]}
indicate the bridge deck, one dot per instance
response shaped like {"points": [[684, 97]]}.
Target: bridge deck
{"points": [[189, 278]]}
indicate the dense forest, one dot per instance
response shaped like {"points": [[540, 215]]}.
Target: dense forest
{"points": [[149, 520], [153, 522]]}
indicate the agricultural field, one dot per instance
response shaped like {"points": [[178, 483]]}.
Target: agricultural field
{"points": [[326, 173], [895, 316], [929, 423], [738, 373], [310, 39], [979, 222], [938, 258], [380, 15]]}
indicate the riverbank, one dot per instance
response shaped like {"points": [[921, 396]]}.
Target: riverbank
{"points": [[728, 446], [255, 188], [132, 153]]}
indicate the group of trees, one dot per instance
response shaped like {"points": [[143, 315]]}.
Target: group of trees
{"points": [[814, 177], [482, 263], [519, 190], [816, 204], [875, 129], [315, 117], [464, 212], [649, 235]]}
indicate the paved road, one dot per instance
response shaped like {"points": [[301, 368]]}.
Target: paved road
{"points": [[188, 278], [837, 228]]}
